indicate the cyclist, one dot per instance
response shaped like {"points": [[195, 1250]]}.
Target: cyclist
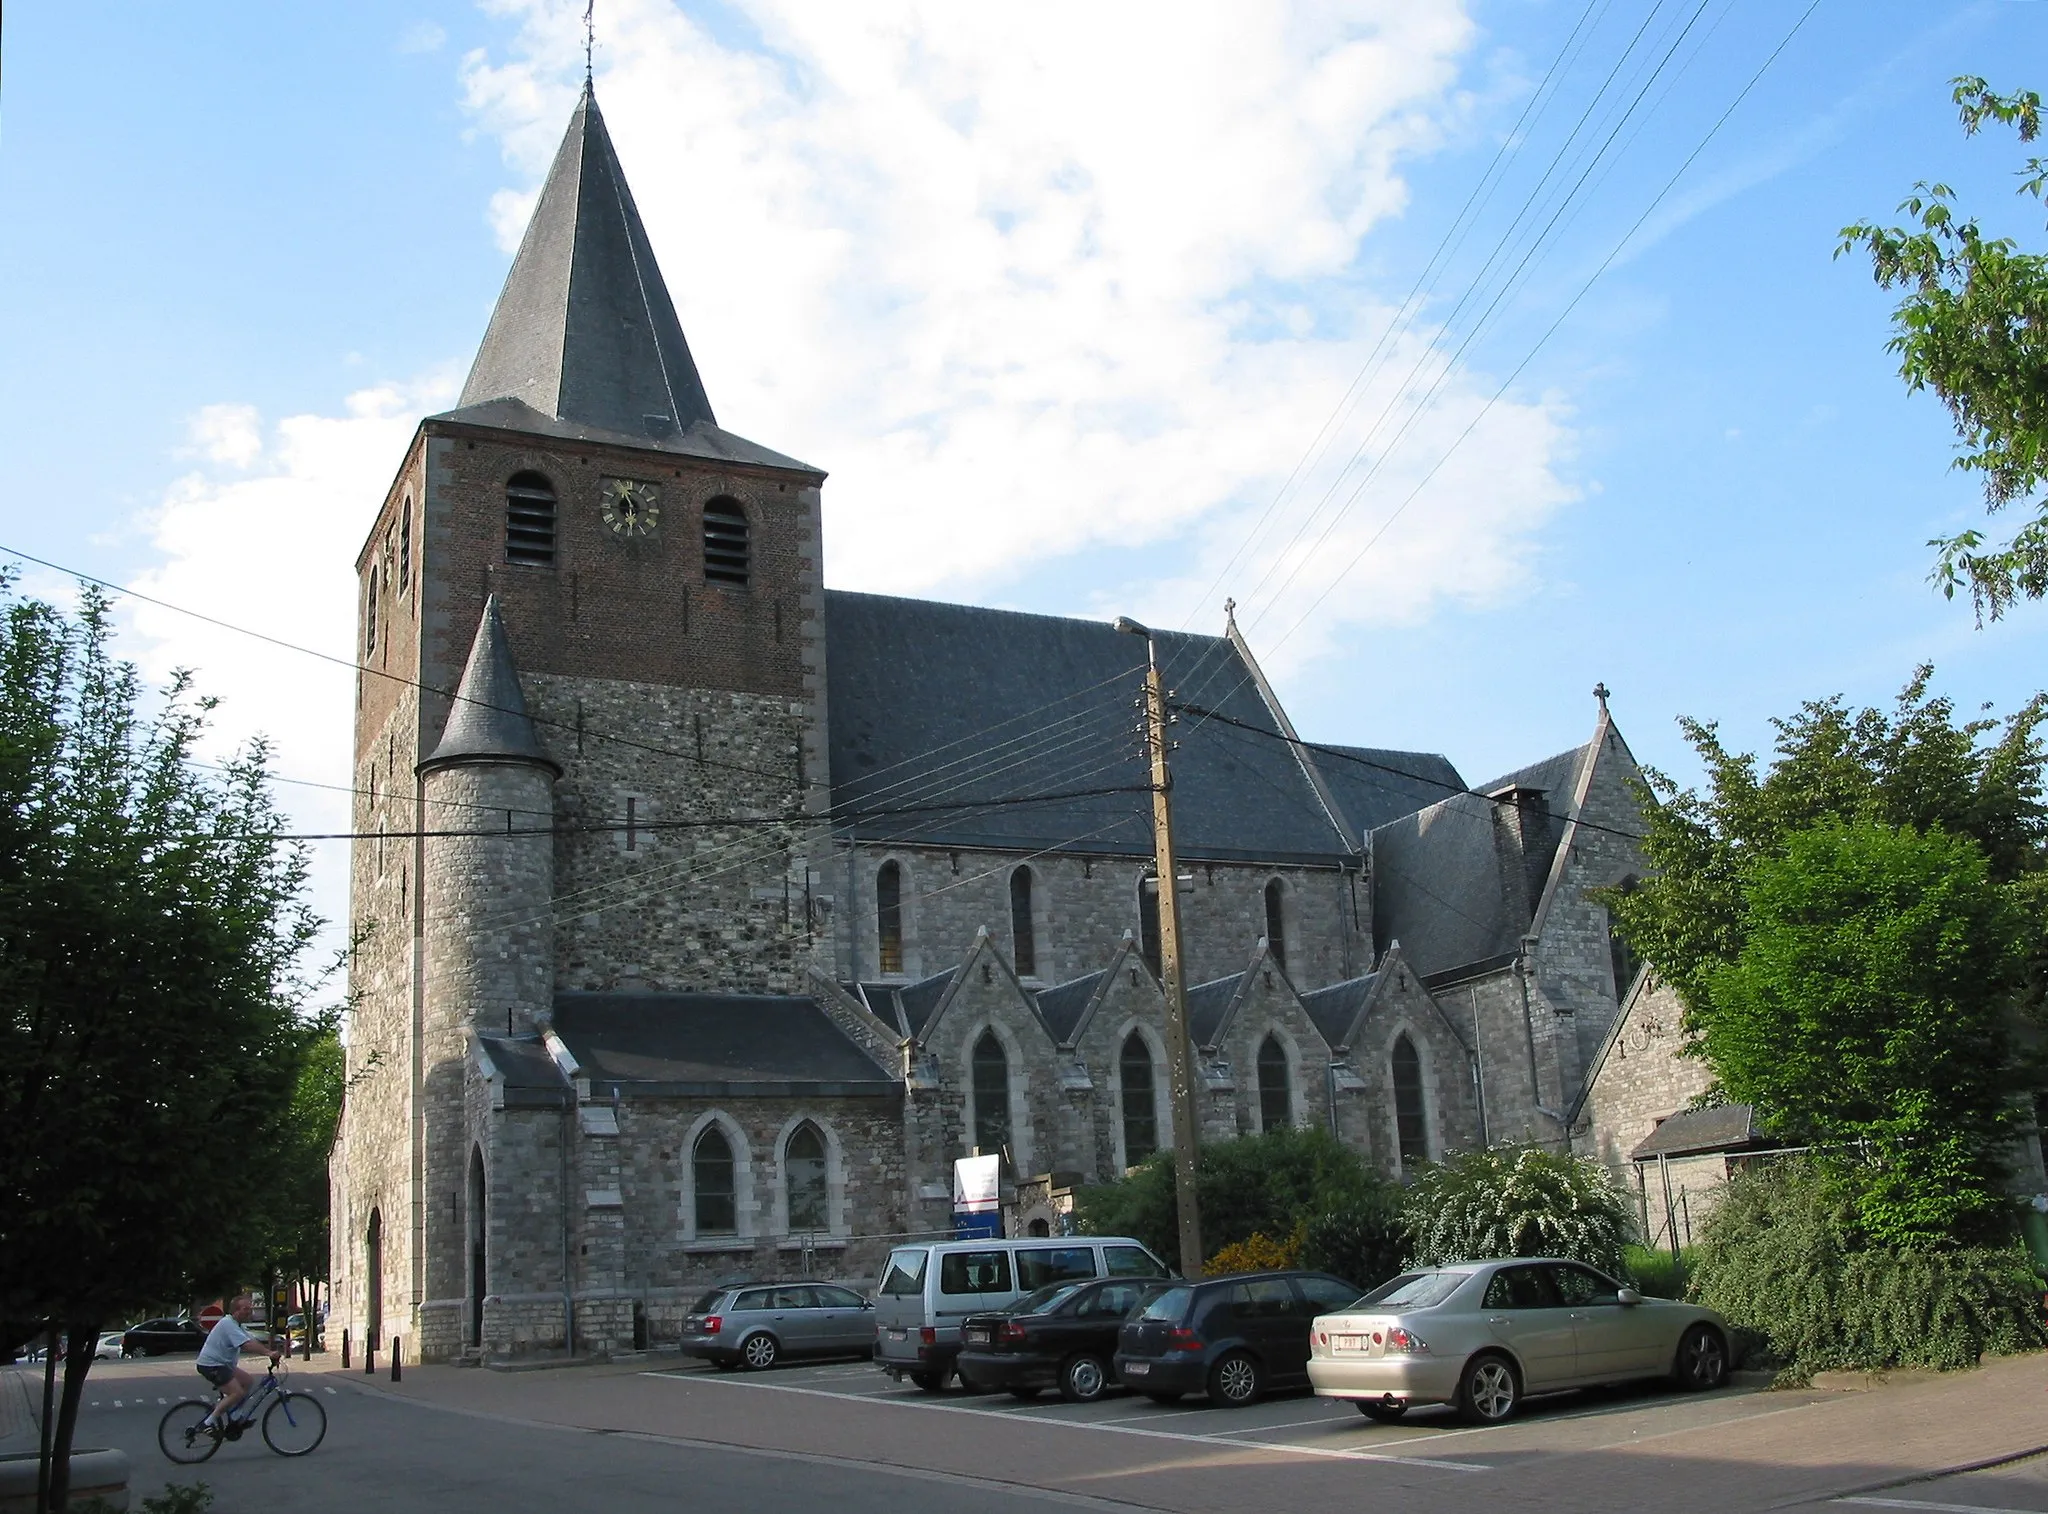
{"points": [[224, 1346]]}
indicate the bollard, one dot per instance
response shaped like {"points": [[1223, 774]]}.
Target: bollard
{"points": [[344, 1351], [306, 1353], [369, 1356], [394, 1358]]}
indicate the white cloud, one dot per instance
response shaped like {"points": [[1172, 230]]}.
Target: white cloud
{"points": [[231, 434], [1027, 298], [422, 37]]}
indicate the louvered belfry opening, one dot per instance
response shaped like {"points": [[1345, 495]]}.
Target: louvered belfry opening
{"points": [[530, 521], [725, 543]]}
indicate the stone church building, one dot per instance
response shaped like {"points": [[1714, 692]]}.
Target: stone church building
{"points": [[714, 913]]}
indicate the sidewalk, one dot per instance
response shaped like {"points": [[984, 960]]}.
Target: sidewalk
{"points": [[18, 1431]]}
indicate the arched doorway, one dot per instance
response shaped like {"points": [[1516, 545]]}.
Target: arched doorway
{"points": [[373, 1266], [478, 1230]]}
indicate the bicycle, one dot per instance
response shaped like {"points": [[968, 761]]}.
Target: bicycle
{"points": [[293, 1423]]}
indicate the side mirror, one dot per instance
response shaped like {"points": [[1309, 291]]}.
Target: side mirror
{"points": [[867, 1303], [1627, 1296]]}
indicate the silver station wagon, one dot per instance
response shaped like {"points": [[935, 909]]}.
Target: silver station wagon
{"points": [[757, 1324], [1482, 1335]]}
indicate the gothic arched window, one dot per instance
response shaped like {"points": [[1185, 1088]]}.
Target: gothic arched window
{"points": [[1022, 937], [725, 543], [803, 1170], [530, 520], [991, 1094], [1276, 1103], [1621, 954], [370, 616], [1276, 922], [1135, 1073], [1411, 1122], [711, 1181], [889, 916], [1148, 922], [405, 545]]}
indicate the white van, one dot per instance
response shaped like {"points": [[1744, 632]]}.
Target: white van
{"points": [[929, 1287]]}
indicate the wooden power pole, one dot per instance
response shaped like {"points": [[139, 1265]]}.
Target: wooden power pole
{"points": [[1180, 1073]]}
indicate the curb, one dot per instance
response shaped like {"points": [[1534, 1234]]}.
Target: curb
{"points": [[1961, 1469]]}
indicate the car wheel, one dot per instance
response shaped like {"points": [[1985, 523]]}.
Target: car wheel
{"points": [[1380, 1409], [1489, 1390], [1024, 1395], [1164, 1398], [1236, 1381], [930, 1382], [1702, 1360], [1083, 1379], [758, 1352]]}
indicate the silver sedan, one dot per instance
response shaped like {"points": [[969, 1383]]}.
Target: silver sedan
{"points": [[1482, 1335]]}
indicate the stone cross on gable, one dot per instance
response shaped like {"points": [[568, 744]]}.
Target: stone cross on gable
{"points": [[1600, 693]]}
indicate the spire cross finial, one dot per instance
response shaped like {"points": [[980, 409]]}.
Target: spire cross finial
{"points": [[1230, 609], [589, 37], [1600, 693]]}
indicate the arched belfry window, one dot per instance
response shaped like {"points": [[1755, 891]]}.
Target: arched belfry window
{"points": [[1148, 922], [1022, 936], [1276, 922], [1622, 955], [1411, 1120], [370, 615], [1136, 1076], [725, 543], [991, 1094], [405, 546], [803, 1170], [711, 1182], [1276, 1102], [530, 520], [889, 916]]}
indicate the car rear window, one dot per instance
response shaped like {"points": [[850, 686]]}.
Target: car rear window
{"points": [[1414, 1290], [974, 1272], [1171, 1304], [708, 1302], [905, 1272]]}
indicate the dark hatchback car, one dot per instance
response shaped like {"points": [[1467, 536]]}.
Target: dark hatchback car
{"points": [[1233, 1338], [160, 1337], [1063, 1336]]}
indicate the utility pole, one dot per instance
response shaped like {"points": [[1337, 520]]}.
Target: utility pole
{"points": [[1180, 1072]]}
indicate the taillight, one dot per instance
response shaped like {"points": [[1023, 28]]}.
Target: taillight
{"points": [[1184, 1339], [713, 1323], [928, 1335], [1400, 1340], [1012, 1331], [1322, 1338]]}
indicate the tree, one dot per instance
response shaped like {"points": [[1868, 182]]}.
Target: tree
{"points": [[1781, 906], [1973, 326], [1870, 1003], [1505, 1202], [150, 1035]]}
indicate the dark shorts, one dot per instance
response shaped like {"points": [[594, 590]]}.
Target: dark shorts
{"points": [[220, 1377]]}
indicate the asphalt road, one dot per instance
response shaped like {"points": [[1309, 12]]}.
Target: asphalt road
{"points": [[840, 1437]]}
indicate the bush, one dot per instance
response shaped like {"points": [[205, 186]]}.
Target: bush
{"points": [[1364, 1242], [1257, 1252], [1255, 1185], [1656, 1273], [1783, 1258], [1517, 1203]]}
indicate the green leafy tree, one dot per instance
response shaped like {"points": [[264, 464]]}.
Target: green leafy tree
{"points": [[1505, 1202], [150, 1034], [1973, 327], [1871, 1003]]}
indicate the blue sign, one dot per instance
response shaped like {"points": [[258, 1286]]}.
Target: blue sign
{"points": [[984, 1226]]}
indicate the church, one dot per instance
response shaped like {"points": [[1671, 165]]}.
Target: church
{"points": [[706, 915]]}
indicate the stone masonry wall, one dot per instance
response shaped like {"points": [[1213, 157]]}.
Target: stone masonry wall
{"points": [[1642, 1078]]}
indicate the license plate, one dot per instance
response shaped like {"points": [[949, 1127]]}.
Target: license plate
{"points": [[1349, 1342], [1136, 1369], [899, 1335], [975, 1337]]}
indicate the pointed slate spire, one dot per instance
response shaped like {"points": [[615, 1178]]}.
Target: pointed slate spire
{"points": [[488, 722], [584, 331]]}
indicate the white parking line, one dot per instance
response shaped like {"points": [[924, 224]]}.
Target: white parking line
{"points": [[1944, 1508], [1272, 1447], [1292, 1424]]}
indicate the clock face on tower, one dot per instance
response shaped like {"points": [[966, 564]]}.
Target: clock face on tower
{"points": [[630, 508]]}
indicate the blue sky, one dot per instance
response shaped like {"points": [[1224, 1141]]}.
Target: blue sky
{"points": [[1059, 322]]}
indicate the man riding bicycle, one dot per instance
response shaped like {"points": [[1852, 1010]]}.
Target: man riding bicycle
{"points": [[224, 1346]]}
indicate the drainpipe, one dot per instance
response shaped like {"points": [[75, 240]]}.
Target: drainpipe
{"points": [[568, 1281], [1479, 1065], [847, 921], [1529, 1030], [1330, 1095]]}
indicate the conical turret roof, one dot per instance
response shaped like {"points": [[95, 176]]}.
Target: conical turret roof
{"points": [[584, 340], [488, 722]]}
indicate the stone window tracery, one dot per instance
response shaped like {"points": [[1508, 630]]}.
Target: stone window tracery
{"points": [[1411, 1117], [991, 1094], [1276, 1102], [1137, 1078]]}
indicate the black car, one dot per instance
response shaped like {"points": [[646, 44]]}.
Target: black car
{"points": [[1063, 1336], [160, 1337], [1232, 1338]]}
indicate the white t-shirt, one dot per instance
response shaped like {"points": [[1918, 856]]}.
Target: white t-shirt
{"points": [[224, 1343]]}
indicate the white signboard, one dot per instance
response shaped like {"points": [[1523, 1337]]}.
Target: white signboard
{"points": [[976, 1184]]}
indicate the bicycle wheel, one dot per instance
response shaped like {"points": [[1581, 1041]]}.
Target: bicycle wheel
{"points": [[182, 1434], [295, 1424]]}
